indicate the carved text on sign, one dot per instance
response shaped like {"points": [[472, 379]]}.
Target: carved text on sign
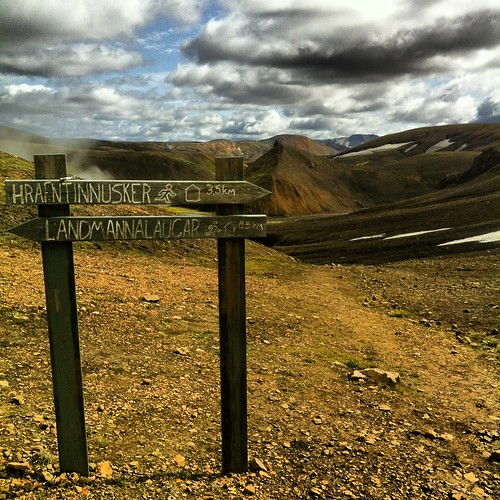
{"points": [[141, 228], [80, 192]]}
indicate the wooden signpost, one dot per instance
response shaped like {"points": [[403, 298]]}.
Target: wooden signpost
{"points": [[141, 228], [70, 191], [56, 229]]}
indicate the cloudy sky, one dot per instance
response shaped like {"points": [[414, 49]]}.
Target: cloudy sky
{"points": [[172, 70]]}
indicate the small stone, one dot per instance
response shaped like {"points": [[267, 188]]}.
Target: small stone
{"points": [[18, 467], [47, 476], [431, 434], [4, 384], [447, 437], [249, 489], [480, 493], [18, 399], [180, 460], [104, 469], [148, 297], [384, 407], [316, 492], [367, 438], [181, 351], [381, 376], [357, 375], [256, 464], [147, 381], [471, 477]]}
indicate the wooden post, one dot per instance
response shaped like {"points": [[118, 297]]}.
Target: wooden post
{"points": [[232, 331], [60, 292]]}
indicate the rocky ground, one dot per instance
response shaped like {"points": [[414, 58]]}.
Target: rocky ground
{"points": [[424, 425]]}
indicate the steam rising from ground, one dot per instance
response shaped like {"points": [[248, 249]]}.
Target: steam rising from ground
{"points": [[89, 173], [28, 145]]}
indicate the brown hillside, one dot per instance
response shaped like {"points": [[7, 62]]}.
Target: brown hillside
{"points": [[296, 181], [304, 184], [302, 143]]}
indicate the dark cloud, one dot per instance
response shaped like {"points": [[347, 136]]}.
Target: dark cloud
{"points": [[258, 86], [488, 111], [312, 123], [68, 60], [406, 52]]}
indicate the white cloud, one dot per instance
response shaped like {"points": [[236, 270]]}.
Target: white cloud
{"points": [[14, 90]]}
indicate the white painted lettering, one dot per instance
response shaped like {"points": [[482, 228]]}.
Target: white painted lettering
{"points": [[179, 233], [157, 231], [39, 198], [73, 230], [106, 195], [28, 193], [126, 194], [128, 231], [84, 230], [118, 189], [96, 227], [195, 225], [111, 231], [62, 232], [95, 195], [145, 193], [19, 195], [139, 230], [135, 187], [48, 236], [82, 193], [55, 192]]}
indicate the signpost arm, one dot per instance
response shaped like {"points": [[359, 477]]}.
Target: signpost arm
{"points": [[60, 291], [232, 331]]}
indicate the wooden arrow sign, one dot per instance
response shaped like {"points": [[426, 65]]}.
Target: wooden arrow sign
{"points": [[141, 228], [68, 191]]}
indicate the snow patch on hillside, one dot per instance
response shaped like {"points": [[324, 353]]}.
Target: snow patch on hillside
{"points": [[371, 237], [417, 233], [384, 147], [413, 146], [440, 145], [492, 237]]}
